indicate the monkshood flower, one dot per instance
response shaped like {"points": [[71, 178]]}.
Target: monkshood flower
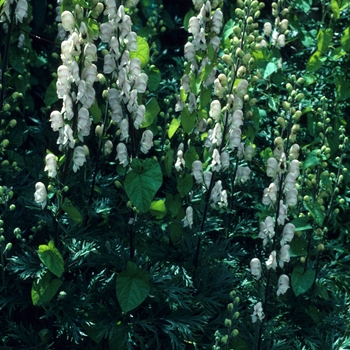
{"points": [[124, 129], [56, 120], [216, 161], [270, 194], [180, 161], [284, 255], [267, 230], [282, 213], [287, 233], [272, 261], [225, 160], [294, 168], [146, 141], [68, 21], [40, 195], [197, 171], [122, 154], [243, 174], [292, 197], [258, 312], [21, 10], [272, 168], [51, 165], [188, 219], [283, 284], [294, 151], [289, 182], [249, 153], [207, 178], [84, 123], [255, 268], [108, 147], [215, 110], [65, 137], [79, 157], [21, 39]]}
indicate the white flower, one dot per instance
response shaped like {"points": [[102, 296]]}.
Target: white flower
{"points": [[272, 168], [106, 32], [217, 21], [51, 165], [219, 90], [90, 54], [146, 141], [216, 137], [109, 64], [235, 137], [56, 120], [270, 194], [122, 154], [141, 83], [131, 3], [289, 182], [216, 161], [201, 125], [21, 10], [242, 88], [243, 174], [193, 26], [281, 41], [294, 151], [215, 41], [282, 213], [284, 255], [215, 110], [197, 171], [258, 312], [180, 161], [192, 103], [272, 262], [86, 94], [84, 123], [79, 157], [225, 160], [65, 137], [188, 219], [68, 21], [21, 39], [207, 178], [267, 230], [40, 195], [131, 41], [267, 29], [294, 168], [249, 153], [135, 67], [215, 195], [287, 233], [140, 116], [107, 149], [292, 197], [236, 119], [67, 107], [283, 25], [89, 74], [255, 268], [190, 54], [124, 129], [283, 284]]}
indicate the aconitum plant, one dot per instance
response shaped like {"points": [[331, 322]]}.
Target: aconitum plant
{"points": [[174, 176]]}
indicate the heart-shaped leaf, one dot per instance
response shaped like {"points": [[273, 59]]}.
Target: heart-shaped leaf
{"points": [[302, 280]]}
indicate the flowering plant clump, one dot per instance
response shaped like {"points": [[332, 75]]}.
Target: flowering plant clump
{"points": [[174, 176]]}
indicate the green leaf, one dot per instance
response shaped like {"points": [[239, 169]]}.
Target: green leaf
{"points": [[51, 94], [239, 344], [298, 246], [335, 9], [205, 97], [271, 67], [95, 332], [173, 203], [324, 39], [311, 160], [95, 111], [72, 211], [152, 110], [345, 39], [92, 26], [228, 29], [154, 77], [272, 104], [168, 161], [315, 62], [184, 185], [190, 156], [322, 291], [44, 290], [174, 125], [343, 89], [316, 212], [158, 209], [302, 280], [301, 224], [142, 52], [187, 17], [51, 258], [187, 120], [142, 184], [132, 287]]}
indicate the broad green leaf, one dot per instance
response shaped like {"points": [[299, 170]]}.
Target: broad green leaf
{"points": [[302, 280], [174, 125], [303, 5], [168, 161], [51, 94], [228, 29], [205, 97], [154, 77], [44, 289], [301, 224], [343, 89], [311, 160], [309, 78], [335, 9], [51, 258], [345, 39], [187, 120], [315, 62], [316, 212], [187, 17], [152, 110], [326, 183], [324, 39], [142, 52], [72, 211], [141, 186], [95, 111], [271, 67], [132, 287], [158, 209], [184, 184], [190, 156], [173, 203], [298, 246]]}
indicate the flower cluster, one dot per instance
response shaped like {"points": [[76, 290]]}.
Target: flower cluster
{"points": [[21, 10]]}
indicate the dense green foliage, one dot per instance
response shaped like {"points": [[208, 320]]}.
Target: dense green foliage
{"points": [[172, 201]]}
